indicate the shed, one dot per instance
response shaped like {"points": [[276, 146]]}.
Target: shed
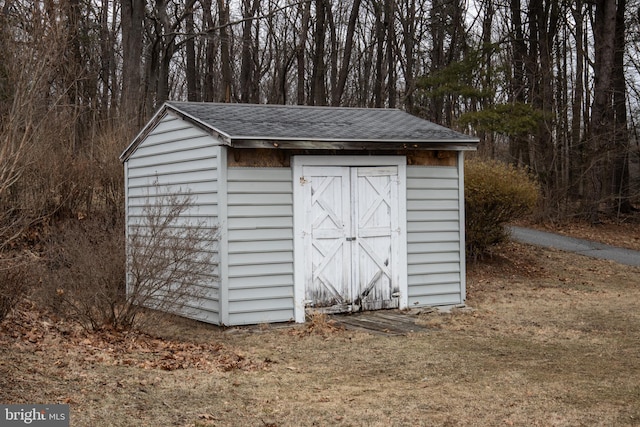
{"points": [[318, 208]]}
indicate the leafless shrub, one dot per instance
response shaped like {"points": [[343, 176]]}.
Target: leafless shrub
{"points": [[169, 261], [170, 256], [84, 278], [14, 282]]}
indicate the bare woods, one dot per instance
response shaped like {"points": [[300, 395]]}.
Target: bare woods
{"points": [[548, 85]]}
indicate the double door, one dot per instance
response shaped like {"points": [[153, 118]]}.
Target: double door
{"points": [[351, 237]]}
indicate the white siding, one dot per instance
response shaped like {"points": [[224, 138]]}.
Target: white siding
{"points": [[179, 159], [434, 258], [260, 245]]}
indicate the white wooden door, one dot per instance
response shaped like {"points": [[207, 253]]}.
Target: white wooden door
{"points": [[351, 237], [375, 219]]}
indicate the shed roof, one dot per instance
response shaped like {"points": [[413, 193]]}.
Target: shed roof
{"points": [[307, 127]]}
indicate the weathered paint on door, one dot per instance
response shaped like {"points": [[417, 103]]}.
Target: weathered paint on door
{"points": [[350, 237]]}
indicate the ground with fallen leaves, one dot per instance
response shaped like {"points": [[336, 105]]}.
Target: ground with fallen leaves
{"points": [[552, 339]]}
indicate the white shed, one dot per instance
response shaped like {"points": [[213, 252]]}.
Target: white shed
{"points": [[337, 209]]}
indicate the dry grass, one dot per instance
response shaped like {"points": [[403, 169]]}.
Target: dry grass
{"points": [[553, 340]]}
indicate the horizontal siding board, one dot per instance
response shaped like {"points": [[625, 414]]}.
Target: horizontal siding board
{"points": [[433, 194], [265, 211], [259, 188], [434, 226], [195, 165], [264, 246], [435, 247], [175, 157], [187, 139], [207, 317], [258, 174], [433, 268], [434, 300], [209, 176], [168, 189], [433, 258], [432, 279], [260, 305], [260, 235], [168, 172], [261, 293], [444, 236], [433, 184], [249, 199], [201, 314], [251, 318], [204, 303], [168, 123], [253, 223], [202, 202], [204, 212], [432, 205], [260, 270], [146, 207], [435, 289], [251, 283], [437, 172], [431, 216], [248, 259]]}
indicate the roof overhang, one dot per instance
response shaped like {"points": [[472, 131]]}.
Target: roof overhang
{"points": [[309, 144]]}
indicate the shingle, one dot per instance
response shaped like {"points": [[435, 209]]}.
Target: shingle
{"points": [[284, 122]]}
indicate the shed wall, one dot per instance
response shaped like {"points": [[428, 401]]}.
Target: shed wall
{"points": [[435, 262], [260, 245], [176, 158]]}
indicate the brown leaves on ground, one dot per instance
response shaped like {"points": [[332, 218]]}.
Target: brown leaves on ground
{"points": [[317, 323], [30, 328]]}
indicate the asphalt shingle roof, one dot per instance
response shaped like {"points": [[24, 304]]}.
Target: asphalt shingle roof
{"points": [[311, 128], [298, 123]]}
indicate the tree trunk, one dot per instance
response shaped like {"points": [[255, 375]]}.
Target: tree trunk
{"points": [[318, 73], [601, 115], [345, 65], [389, 22], [248, 92], [190, 47], [305, 11], [620, 188], [208, 89], [409, 36], [576, 150], [378, 83], [132, 48], [225, 51], [519, 146]]}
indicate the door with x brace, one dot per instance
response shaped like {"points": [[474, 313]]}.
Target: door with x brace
{"points": [[351, 237]]}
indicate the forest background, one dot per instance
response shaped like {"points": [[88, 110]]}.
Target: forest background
{"points": [[548, 85]]}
